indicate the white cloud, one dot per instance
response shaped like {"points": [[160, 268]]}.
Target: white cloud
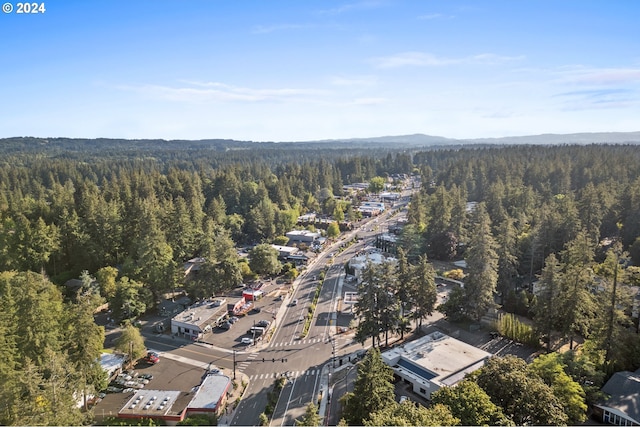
{"points": [[353, 81], [348, 7], [434, 16], [601, 76], [265, 29], [405, 59], [422, 59], [492, 58], [215, 91], [369, 101]]}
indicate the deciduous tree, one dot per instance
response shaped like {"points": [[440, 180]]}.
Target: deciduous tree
{"points": [[522, 396], [409, 414], [569, 393], [263, 259], [131, 343], [470, 404]]}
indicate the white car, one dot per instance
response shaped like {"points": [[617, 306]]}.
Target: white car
{"points": [[247, 341]]}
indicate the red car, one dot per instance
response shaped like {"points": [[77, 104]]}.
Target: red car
{"points": [[152, 357]]}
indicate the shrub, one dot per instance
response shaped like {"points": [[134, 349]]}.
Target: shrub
{"points": [[511, 327], [455, 274]]}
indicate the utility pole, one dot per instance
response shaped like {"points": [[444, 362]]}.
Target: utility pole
{"points": [[234, 365]]}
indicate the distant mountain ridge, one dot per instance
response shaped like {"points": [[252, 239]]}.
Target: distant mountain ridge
{"points": [[119, 146], [542, 139]]}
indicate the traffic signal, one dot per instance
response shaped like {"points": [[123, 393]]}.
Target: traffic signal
{"points": [[273, 360], [263, 359]]}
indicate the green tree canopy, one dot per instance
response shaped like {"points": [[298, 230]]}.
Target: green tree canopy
{"points": [[311, 416], [263, 259], [549, 367], [131, 342], [468, 402], [376, 184], [522, 396], [333, 230], [408, 414], [373, 389], [482, 261]]}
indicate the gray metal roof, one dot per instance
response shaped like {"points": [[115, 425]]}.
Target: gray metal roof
{"points": [[624, 391]]}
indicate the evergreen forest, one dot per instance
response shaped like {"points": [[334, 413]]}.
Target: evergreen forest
{"points": [[549, 232]]}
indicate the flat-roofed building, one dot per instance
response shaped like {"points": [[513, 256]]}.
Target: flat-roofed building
{"points": [[173, 406], [211, 396], [434, 361], [168, 405], [199, 318], [388, 196], [302, 236], [360, 262], [285, 252]]}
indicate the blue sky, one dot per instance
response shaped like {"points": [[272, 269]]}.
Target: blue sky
{"points": [[307, 70]]}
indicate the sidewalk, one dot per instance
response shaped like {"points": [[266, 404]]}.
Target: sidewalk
{"points": [[237, 393], [330, 376]]}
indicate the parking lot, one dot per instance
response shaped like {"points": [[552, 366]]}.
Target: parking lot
{"points": [[267, 308], [167, 374]]}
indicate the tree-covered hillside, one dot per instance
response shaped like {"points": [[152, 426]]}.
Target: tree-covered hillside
{"points": [[562, 219]]}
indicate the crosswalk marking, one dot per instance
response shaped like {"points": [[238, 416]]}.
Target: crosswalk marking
{"points": [[289, 374], [303, 342]]}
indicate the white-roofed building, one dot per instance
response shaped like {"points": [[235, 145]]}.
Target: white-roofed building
{"points": [[199, 318], [434, 361], [359, 263], [112, 363], [302, 236], [285, 252], [211, 396], [172, 406]]}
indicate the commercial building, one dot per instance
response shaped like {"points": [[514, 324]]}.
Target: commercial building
{"points": [[434, 361], [112, 363], [172, 406], [370, 208], [358, 263], [199, 318], [285, 252], [302, 236]]}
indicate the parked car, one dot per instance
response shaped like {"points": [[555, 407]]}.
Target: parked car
{"points": [[256, 310], [263, 323], [256, 330], [294, 302], [225, 325], [247, 341], [146, 376], [152, 357]]}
